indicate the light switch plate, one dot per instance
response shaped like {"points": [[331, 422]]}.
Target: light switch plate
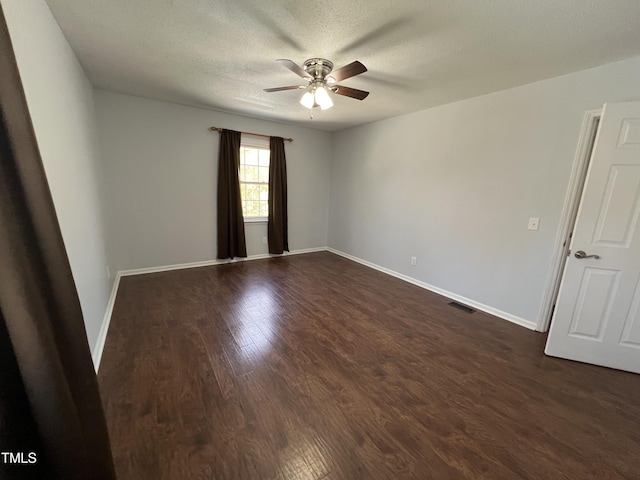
{"points": [[533, 223]]}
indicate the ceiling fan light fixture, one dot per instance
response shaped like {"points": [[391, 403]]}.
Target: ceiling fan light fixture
{"points": [[307, 100], [323, 99]]}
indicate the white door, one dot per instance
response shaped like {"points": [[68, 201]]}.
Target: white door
{"points": [[597, 315]]}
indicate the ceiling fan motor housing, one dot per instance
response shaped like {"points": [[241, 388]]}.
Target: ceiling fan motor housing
{"points": [[318, 68]]}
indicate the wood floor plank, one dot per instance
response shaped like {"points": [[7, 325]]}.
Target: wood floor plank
{"points": [[315, 367]]}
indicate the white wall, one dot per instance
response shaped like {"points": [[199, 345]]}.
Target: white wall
{"points": [[60, 100], [455, 185], [161, 173]]}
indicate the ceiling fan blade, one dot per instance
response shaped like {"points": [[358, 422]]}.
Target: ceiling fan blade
{"points": [[294, 67], [350, 92], [279, 89], [348, 71]]}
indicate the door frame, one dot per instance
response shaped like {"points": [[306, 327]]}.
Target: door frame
{"points": [[568, 217]]}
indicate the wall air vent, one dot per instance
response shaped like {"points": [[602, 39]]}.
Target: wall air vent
{"points": [[463, 307]]}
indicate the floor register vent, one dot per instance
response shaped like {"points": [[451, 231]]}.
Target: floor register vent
{"points": [[462, 306]]}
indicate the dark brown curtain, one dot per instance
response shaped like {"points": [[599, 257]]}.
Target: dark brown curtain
{"points": [[278, 224], [231, 241], [51, 419]]}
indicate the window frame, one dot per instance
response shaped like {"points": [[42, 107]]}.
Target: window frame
{"points": [[247, 141]]}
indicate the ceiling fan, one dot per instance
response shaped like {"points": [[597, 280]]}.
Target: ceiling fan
{"points": [[322, 79]]}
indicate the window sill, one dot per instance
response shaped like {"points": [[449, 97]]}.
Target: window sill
{"points": [[256, 220]]}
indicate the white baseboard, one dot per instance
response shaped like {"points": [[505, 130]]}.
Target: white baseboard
{"points": [[104, 328], [206, 263], [98, 348], [307, 250], [467, 301]]}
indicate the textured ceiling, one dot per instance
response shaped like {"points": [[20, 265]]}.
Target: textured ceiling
{"points": [[220, 54]]}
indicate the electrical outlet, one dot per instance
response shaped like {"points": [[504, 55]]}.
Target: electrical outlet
{"points": [[264, 240], [414, 261], [533, 223], [108, 273]]}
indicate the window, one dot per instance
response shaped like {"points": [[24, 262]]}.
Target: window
{"points": [[254, 179]]}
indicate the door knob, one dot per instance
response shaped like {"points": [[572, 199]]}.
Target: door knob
{"points": [[581, 254]]}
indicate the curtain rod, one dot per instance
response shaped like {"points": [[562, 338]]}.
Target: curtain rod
{"points": [[217, 129]]}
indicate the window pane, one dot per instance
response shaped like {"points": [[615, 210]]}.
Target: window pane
{"points": [[264, 157], [250, 156], [245, 154], [252, 174], [264, 174], [255, 209], [264, 209], [254, 192], [241, 173], [264, 193], [255, 199]]}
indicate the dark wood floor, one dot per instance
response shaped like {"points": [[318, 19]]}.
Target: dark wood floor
{"points": [[315, 367]]}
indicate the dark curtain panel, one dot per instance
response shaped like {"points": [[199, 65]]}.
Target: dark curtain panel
{"points": [[231, 242], [278, 223], [51, 418]]}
